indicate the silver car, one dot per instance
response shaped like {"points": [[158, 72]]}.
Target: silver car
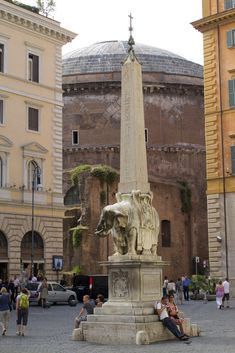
{"points": [[59, 294], [56, 293]]}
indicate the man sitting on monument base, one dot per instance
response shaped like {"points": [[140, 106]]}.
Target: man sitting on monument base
{"points": [[161, 310]]}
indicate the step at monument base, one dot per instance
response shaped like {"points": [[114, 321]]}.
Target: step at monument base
{"points": [[126, 332]]}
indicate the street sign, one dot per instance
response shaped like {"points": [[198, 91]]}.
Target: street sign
{"points": [[197, 259]]}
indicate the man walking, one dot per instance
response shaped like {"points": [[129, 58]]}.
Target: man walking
{"points": [[226, 286], [186, 283], [167, 321]]}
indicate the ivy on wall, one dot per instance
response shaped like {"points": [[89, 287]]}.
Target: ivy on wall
{"points": [[77, 235], [185, 196]]}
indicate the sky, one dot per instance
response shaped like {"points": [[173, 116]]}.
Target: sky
{"points": [[163, 24]]}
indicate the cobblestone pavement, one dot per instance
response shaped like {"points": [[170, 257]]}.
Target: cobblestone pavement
{"points": [[49, 331]]}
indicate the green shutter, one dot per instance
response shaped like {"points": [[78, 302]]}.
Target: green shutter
{"points": [[230, 39], [231, 91], [227, 4], [233, 159]]}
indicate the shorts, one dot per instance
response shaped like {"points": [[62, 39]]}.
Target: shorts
{"points": [[22, 316]]}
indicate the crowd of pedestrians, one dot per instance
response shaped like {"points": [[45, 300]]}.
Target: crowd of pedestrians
{"points": [[15, 296], [180, 288]]}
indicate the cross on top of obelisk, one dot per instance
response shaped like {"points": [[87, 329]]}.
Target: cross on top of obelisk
{"points": [[131, 41]]}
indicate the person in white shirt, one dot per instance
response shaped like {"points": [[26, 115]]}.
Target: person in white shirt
{"points": [[34, 279], [161, 308], [226, 286]]}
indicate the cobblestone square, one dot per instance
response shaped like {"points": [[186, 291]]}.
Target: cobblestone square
{"points": [[49, 331]]}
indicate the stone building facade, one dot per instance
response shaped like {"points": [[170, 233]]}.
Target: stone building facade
{"points": [[174, 130], [218, 27], [31, 200]]}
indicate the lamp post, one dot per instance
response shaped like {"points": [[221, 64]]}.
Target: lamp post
{"points": [[36, 174]]}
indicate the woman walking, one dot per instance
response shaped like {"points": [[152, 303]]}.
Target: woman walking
{"points": [[4, 309], [219, 290], [22, 311]]}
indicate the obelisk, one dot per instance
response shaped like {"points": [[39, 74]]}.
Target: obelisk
{"points": [[135, 269], [133, 161]]}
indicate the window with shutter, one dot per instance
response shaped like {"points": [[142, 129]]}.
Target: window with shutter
{"points": [[233, 159], [231, 90], [1, 57], [229, 4], [231, 39], [33, 67], [1, 111], [33, 119]]}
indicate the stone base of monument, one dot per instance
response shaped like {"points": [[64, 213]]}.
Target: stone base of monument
{"points": [[128, 316]]}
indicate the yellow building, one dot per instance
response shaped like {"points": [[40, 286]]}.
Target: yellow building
{"points": [[218, 28], [31, 200]]}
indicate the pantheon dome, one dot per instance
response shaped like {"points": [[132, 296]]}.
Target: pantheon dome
{"points": [[107, 57]]}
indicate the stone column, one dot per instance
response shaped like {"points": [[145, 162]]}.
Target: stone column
{"points": [[133, 160]]}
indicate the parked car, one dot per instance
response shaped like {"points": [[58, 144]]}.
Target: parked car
{"points": [[91, 285], [56, 293]]}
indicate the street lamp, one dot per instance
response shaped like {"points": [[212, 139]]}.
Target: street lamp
{"points": [[36, 173]]}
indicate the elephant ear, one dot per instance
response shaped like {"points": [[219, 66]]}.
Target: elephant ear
{"points": [[121, 219]]}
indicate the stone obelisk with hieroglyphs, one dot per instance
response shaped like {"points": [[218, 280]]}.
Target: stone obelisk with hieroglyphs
{"points": [[133, 160], [135, 269]]}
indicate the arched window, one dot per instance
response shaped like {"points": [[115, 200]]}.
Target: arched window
{"points": [[26, 247], [166, 233], [72, 196], [1, 173], [3, 246], [33, 175]]}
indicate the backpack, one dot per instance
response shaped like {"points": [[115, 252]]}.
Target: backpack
{"points": [[24, 302]]}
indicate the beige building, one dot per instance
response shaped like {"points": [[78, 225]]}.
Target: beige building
{"points": [[31, 200], [218, 28]]}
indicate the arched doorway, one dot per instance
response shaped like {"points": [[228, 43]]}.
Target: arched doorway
{"points": [[38, 253], [3, 256]]}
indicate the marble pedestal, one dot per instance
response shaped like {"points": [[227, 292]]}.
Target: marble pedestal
{"points": [[135, 283], [128, 316]]}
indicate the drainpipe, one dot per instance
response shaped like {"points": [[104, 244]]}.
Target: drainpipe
{"points": [[222, 150]]}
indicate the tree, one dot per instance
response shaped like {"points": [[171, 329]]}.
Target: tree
{"points": [[46, 7]]}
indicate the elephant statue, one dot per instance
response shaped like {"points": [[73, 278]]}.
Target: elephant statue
{"points": [[133, 224]]}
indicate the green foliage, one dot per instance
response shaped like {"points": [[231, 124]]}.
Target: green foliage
{"points": [[77, 269], [185, 195], [78, 171], [24, 6], [102, 197], [104, 173], [46, 7], [203, 283], [77, 234]]}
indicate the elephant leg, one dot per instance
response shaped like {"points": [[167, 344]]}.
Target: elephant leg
{"points": [[118, 246], [154, 249], [131, 241]]}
